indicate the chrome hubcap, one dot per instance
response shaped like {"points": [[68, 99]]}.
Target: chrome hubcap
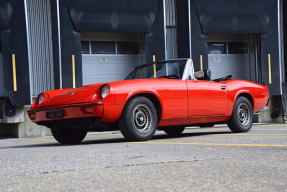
{"points": [[142, 118], [243, 113]]}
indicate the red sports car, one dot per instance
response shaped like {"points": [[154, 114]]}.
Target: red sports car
{"points": [[166, 95]]}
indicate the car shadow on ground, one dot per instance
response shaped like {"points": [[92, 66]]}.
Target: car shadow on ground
{"points": [[158, 136]]}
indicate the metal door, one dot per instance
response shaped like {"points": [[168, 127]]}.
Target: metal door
{"points": [[230, 55], [110, 65]]}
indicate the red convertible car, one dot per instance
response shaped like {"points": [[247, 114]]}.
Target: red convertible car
{"points": [[166, 95]]}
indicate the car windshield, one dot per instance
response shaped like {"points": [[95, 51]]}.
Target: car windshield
{"points": [[167, 69]]}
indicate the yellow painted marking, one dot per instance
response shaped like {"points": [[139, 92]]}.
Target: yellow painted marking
{"points": [[14, 72], [153, 58], [235, 134], [269, 65], [38, 139], [117, 134], [74, 73], [230, 134], [275, 125], [220, 144], [109, 134], [201, 65], [154, 70]]}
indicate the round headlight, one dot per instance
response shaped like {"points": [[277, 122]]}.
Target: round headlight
{"points": [[41, 98], [105, 91]]}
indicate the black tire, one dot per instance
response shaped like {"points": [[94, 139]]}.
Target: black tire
{"points": [[242, 116], [69, 136], [138, 121], [174, 131], [206, 125]]}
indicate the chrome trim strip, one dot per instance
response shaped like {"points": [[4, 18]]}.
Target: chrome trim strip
{"points": [[63, 107]]}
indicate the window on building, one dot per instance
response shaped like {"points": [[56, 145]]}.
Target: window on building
{"points": [[238, 48], [85, 47], [128, 47], [109, 47], [216, 48], [103, 47]]}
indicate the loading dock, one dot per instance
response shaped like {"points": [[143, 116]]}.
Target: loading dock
{"points": [[232, 55], [53, 43], [110, 56]]}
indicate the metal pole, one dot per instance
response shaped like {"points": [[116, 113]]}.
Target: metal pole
{"points": [[59, 39], [189, 24], [29, 51], [280, 43], [164, 21]]}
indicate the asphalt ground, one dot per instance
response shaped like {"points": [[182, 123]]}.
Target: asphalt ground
{"points": [[210, 159]]}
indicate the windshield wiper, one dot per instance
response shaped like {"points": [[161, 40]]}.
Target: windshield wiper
{"points": [[170, 76]]}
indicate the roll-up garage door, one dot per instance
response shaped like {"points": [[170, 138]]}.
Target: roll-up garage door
{"points": [[110, 57], [230, 55]]}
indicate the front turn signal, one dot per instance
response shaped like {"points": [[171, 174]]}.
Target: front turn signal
{"points": [[32, 116], [89, 110]]}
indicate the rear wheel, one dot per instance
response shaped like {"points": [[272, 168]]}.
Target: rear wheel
{"points": [[69, 136], [174, 131], [138, 121], [242, 116]]}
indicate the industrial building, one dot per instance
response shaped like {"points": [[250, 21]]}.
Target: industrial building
{"points": [[55, 44]]}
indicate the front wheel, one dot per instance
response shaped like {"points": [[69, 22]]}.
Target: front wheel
{"points": [[138, 121], [242, 116], [69, 136]]}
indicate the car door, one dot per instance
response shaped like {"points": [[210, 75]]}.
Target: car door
{"points": [[207, 98], [173, 95]]}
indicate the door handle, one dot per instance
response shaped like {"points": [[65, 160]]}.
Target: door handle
{"points": [[223, 86]]}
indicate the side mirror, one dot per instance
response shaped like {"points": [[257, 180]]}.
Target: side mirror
{"points": [[199, 74]]}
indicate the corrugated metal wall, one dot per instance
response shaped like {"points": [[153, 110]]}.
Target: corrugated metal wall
{"points": [[170, 15], [40, 45], [171, 36]]}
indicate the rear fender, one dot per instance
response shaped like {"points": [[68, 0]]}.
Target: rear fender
{"points": [[233, 98]]}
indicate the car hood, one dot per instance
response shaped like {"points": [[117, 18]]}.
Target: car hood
{"points": [[74, 96]]}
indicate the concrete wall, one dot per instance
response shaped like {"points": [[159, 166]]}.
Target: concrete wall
{"points": [[24, 128], [264, 115]]}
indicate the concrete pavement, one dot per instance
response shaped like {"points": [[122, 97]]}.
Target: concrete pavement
{"points": [[212, 159]]}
